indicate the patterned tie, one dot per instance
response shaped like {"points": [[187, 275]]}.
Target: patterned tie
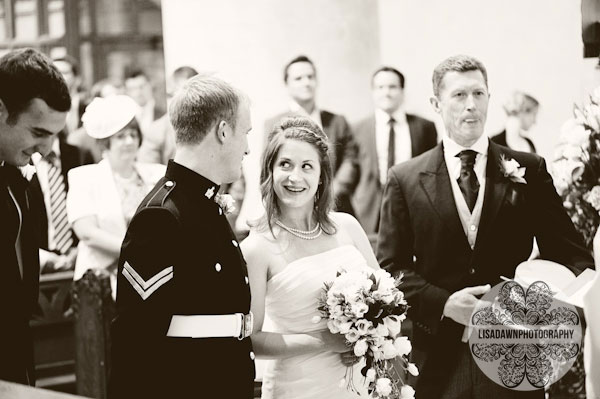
{"points": [[467, 181], [63, 238], [391, 144]]}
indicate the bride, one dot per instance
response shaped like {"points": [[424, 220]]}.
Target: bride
{"points": [[291, 252]]}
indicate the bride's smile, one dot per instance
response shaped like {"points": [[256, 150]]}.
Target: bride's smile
{"points": [[296, 175]]}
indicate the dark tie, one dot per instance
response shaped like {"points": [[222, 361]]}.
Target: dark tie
{"points": [[467, 181], [391, 145]]}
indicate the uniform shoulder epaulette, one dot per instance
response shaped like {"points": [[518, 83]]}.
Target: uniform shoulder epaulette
{"points": [[161, 194]]}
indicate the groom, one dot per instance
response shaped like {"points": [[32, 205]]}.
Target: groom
{"points": [[183, 300], [455, 219]]}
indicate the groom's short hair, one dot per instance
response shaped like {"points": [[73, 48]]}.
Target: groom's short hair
{"points": [[201, 103], [457, 63]]}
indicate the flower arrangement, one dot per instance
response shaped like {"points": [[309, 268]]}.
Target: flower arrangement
{"points": [[512, 170], [367, 308], [576, 169], [226, 202]]}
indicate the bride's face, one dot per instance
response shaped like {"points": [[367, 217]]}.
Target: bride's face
{"points": [[296, 175]]}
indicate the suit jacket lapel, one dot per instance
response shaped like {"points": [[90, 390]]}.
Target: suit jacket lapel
{"points": [[435, 181], [415, 134], [371, 150], [496, 186]]}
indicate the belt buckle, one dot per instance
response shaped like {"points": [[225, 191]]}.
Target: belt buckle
{"points": [[247, 325]]}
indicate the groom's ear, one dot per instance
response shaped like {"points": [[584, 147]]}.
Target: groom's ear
{"points": [[221, 131], [435, 104]]}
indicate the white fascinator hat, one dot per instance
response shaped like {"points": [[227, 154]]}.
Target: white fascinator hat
{"points": [[104, 117]]}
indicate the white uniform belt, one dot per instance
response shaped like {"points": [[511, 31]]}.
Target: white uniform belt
{"points": [[236, 325]]}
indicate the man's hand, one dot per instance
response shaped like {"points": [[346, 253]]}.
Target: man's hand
{"points": [[460, 304]]}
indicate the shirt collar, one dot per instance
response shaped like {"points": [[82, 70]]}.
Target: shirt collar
{"points": [[452, 148], [190, 181], [399, 115]]}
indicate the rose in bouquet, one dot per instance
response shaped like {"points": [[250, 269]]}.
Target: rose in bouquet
{"points": [[576, 169], [368, 308]]}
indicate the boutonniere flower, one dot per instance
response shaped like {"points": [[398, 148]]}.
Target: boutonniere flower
{"points": [[512, 170], [226, 202], [27, 171]]}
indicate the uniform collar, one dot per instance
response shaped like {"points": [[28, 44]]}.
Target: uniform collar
{"points": [[191, 181]]}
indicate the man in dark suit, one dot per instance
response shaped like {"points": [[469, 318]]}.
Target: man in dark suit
{"points": [[458, 217], [384, 139], [300, 77], [47, 193], [183, 296], [139, 87], [34, 101]]}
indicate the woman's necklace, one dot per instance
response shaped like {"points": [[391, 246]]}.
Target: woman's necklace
{"points": [[304, 234]]}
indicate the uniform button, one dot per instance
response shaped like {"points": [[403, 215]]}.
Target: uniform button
{"points": [[218, 267], [220, 211], [471, 271], [252, 356], [473, 227], [169, 183], [234, 242], [246, 278]]}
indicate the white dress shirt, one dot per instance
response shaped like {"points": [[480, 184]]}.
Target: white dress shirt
{"points": [[468, 219], [42, 167], [402, 141]]}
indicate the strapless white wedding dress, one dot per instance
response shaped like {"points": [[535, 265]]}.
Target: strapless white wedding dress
{"points": [[291, 304]]}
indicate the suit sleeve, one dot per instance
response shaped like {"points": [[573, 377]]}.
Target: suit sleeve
{"points": [[347, 174], [395, 254], [556, 236]]}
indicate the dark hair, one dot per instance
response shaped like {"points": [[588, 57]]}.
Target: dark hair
{"points": [[184, 72], [302, 129], [457, 63], [392, 70], [104, 144], [134, 73], [69, 60], [27, 74], [300, 58], [202, 102]]}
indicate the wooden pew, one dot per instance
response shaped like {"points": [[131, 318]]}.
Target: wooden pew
{"points": [[18, 391], [53, 337]]}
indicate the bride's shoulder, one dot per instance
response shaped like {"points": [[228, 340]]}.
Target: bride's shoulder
{"points": [[344, 220], [258, 243]]}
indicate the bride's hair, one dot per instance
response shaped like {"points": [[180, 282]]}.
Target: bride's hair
{"points": [[302, 129]]}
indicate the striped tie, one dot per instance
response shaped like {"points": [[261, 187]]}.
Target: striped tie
{"points": [[63, 238]]}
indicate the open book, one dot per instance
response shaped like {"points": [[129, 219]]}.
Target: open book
{"points": [[561, 280]]}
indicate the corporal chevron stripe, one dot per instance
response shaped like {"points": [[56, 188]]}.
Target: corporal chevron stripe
{"points": [[63, 236]]}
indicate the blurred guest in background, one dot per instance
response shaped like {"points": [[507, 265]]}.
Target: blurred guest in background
{"points": [[48, 197], [521, 114], [386, 138], [34, 100], [102, 198], [300, 77], [139, 87], [159, 140], [69, 68], [103, 88]]}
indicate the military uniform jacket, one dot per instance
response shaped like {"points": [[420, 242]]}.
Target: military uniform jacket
{"points": [[184, 260]]}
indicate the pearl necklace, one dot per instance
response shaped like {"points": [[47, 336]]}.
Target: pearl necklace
{"points": [[304, 234]]}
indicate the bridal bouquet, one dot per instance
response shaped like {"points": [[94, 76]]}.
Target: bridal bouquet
{"points": [[576, 170], [367, 308]]}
